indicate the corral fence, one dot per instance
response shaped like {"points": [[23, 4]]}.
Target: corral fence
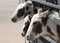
{"points": [[45, 38]]}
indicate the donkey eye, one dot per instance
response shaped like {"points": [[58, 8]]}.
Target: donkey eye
{"points": [[20, 12], [27, 8], [34, 23], [35, 10], [25, 23]]}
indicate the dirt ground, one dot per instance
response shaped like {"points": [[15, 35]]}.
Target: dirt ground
{"points": [[9, 32]]}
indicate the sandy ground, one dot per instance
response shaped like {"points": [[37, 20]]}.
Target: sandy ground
{"points": [[9, 32]]}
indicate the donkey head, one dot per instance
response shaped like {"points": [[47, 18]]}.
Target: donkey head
{"points": [[36, 26], [22, 10]]}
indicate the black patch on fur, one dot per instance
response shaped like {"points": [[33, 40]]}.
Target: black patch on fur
{"points": [[26, 26], [20, 12], [58, 30], [30, 18], [37, 27], [44, 20], [49, 30]]}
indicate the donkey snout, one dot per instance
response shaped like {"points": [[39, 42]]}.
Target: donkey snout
{"points": [[14, 20], [23, 34], [30, 38]]}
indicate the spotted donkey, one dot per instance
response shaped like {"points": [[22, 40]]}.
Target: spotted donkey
{"points": [[28, 18], [42, 24]]}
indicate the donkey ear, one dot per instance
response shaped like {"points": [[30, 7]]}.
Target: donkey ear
{"points": [[29, 2], [39, 9], [45, 13]]}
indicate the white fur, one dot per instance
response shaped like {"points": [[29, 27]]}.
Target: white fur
{"points": [[55, 17], [53, 20], [26, 19]]}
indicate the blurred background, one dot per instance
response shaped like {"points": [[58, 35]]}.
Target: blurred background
{"points": [[9, 32]]}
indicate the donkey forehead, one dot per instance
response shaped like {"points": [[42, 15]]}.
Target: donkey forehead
{"points": [[22, 5], [35, 18], [28, 3]]}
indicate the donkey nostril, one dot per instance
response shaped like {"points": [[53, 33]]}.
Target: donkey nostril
{"points": [[28, 38], [23, 34], [14, 20]]}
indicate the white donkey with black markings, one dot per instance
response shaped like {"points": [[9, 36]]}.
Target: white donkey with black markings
{"points": [[35, 19], [27, 20], [44, 23], [22, 11]]}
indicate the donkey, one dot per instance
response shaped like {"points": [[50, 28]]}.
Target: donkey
{"points": [[22, 11], [44, 24], [35, 24], [28, 18]]}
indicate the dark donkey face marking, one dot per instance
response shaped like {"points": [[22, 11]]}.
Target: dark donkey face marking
{"points": [[37, 27], [44, 20], [25, 28], [24, 11], [20, 12], [35, 11], [27, 8]]}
